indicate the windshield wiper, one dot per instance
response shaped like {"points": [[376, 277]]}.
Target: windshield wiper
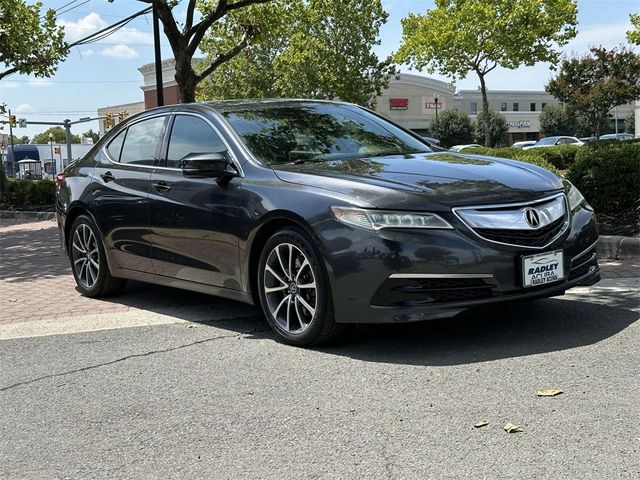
{"points": [[388, 154]]}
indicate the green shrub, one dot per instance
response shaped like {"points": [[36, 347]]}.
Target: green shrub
{"points": [[608, 175], [561, 156], [30, 192], [528, 156]]}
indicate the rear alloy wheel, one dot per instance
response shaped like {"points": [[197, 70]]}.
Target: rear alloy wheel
{"points": [[88, 261], [294, 290]]}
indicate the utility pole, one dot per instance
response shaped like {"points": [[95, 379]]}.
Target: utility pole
{"points": [[67, 131], [158, 60]]}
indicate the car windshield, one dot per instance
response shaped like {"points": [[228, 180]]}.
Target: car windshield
{"points": [[547, 141], [309, 132]]}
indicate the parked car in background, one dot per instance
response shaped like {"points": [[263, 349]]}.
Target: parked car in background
{"points": [[524, 143], [553, 141], [458, 148], [617, 136], [587, 139], [321, 212]]}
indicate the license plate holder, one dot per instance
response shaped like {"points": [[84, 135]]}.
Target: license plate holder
{"points": [[542, 268]]}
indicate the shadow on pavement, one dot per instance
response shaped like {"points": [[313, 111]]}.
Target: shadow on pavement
{"points": [[504, 331], [29, 254]]}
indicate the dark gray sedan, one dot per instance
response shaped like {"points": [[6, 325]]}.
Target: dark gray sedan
{"points": [[324, 213]]}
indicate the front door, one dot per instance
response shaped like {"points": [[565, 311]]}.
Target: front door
{"points": [[121, 198], [192, 219]]}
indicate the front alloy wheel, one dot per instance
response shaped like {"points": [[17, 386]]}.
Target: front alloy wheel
{"points": [[294, 290], [290, 288]]}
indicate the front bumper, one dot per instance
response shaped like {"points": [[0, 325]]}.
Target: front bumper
{"points": [[406, 276]]}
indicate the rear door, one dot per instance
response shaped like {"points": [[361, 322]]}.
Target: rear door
{"points": [[192, 219], [121, 199]]}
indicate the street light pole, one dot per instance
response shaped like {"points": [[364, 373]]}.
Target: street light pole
{"points": [[435, 99]]}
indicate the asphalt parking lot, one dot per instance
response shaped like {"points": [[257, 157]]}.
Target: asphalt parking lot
{"points": [[160, 383]]}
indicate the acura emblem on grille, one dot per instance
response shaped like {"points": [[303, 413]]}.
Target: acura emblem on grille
{"points": [[532, 217]]}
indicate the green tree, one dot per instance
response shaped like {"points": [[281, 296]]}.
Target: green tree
{"points": [[461, 36], [556, 120], [452, 128], [58, 134], [92, 135], [20, 140], [30, 40], [185, 38], [593, 84], [630, 123], [633, 36], [498, 128], [306, 48]]}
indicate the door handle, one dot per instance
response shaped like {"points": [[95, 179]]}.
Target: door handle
{"points": [[107, 177], [161, 187]]}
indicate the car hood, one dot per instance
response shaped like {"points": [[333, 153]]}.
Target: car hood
{"points": [[428, 180]]}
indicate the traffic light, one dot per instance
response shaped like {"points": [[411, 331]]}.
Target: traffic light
{"points": [[121, 116], [56, 150], [12, 121], [108, 121]]}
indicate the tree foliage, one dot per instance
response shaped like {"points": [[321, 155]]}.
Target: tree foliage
{"points": [[630, 123], [498, 128], [452, 128], [30, 41], [306, 48], [58, 134], [556, 120], [185, 38], [593, 84], [633, 35], [95, 136], [460, 36]]}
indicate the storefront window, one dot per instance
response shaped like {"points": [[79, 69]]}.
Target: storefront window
{"points": [[516, 106], [503, 107], [473, 108], [533, 106]]}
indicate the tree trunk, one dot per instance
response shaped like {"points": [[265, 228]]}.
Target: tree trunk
{"points": [[485, 110], [186, 78]]}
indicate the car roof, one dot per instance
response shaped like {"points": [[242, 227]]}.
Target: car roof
{"points": [[223, 106]]}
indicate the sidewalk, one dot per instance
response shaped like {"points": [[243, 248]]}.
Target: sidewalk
{"points": [[37, 284]]}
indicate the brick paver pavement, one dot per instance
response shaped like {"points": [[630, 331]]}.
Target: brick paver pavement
{"points": [[36, 281]]}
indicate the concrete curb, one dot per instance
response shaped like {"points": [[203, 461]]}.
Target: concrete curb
{"points": [[27, 215], [618, 247]]}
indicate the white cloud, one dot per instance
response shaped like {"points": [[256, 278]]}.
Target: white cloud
{"points": [[121, 39], [119, 51], [39, 82], [24, 108], [9, 84], [88, 53], [608, 36]]}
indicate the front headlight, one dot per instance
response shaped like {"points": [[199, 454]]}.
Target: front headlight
{"points": [[378, 219], [575, 197]]}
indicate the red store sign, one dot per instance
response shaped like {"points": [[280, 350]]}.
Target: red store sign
{"points": [[398, 103]]}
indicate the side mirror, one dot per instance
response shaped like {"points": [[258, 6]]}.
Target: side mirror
{"points": [[207, 165]]}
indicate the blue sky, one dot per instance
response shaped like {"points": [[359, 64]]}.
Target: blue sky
{"points": [[105, 73]]}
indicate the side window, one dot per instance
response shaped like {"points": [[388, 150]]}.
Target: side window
{"points": [[142, 141], [115, 147], [191, 136]]}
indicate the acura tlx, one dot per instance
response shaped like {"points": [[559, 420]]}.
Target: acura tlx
{"points": [[323, 213]]}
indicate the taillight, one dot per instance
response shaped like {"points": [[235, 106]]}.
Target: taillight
{"points": [[59, 179]]}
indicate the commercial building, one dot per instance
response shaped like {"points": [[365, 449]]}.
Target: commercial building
{"points": [[413, 100], [41, 159]]}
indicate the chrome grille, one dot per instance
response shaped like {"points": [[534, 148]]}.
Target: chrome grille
{"points": [[512, 224]]}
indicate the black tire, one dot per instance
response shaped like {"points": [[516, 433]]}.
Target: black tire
{"points": [[102, 284], [322, 327]]}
